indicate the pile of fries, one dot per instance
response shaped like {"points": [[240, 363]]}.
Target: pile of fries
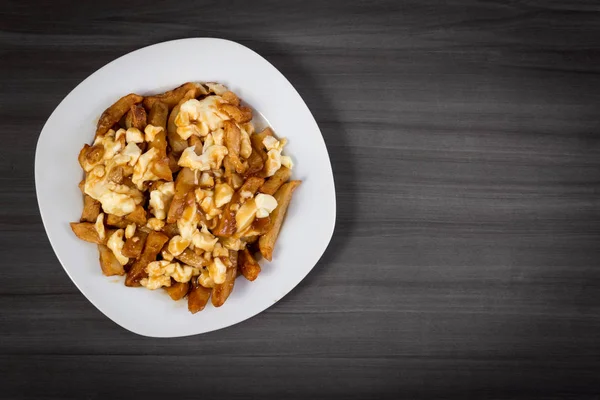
{"points": [[181, 193]]}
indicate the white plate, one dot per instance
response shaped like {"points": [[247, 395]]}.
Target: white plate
{"points": [[306, 231]]}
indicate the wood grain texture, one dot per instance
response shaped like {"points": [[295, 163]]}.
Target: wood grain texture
{"points": [[465, 143]]}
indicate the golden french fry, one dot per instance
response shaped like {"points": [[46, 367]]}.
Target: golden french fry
{"points": [[189, 257], [154, 243], [138, 216], [197, 297], [109, 263], [240, 114], [221, 292], [91, 209], [136, 117], [280, 177], [233, 143], [255, 163], [231, 98], [134, 245], [177, 290], [86, 231], [173, 97], [266, 243], [113, 114], [116, 221], [185, 182], [170, 230], [248, 265], [159, 113], [173, 166], [178, 145]]}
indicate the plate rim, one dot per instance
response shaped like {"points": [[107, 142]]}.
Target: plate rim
{"points": [[53, 242]]}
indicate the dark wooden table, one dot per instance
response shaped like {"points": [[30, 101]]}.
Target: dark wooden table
{"points": [[465, 143]]}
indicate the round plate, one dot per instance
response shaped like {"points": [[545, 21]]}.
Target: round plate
{"points": [[306, 231]]}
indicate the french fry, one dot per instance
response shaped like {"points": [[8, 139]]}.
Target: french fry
{"points": [[266, 243], [91, 209], [248, 265], [221, 292], [170, 230], [159, 113], [233, 143], [177, 290], [280, 177], [134, 245], [113, 114], [227, 224], [178, 145], [197, 297], [154, 243], [239, 114], [116, 221], [255, 163], [257, 141], [184, 183], [136, 117], [173, 97], [173, 166], [109, 263], [231, 98], [86, 231], [138, 216], [189, 257]]}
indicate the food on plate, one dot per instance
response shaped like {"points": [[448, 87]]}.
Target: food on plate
{"points": [[182, 194]]}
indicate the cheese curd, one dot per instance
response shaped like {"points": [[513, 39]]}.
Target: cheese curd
{"points": [[274, 148], [223, 194], [177, 245], [199, 117], [115, 243], [130, 231], [134, 135], [160, 199], [188, 222], [220, 251], [216, 88], [245, 144], [205, 280], [161, 272], [217, 270], [206, 180], [211, 158], [99, 226], [155, 224], [204, 240], [111, 144], [150, 132], [142, 171], [131, 154], [206, 199], [245, 215], [265, 204], [115, 198]]}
